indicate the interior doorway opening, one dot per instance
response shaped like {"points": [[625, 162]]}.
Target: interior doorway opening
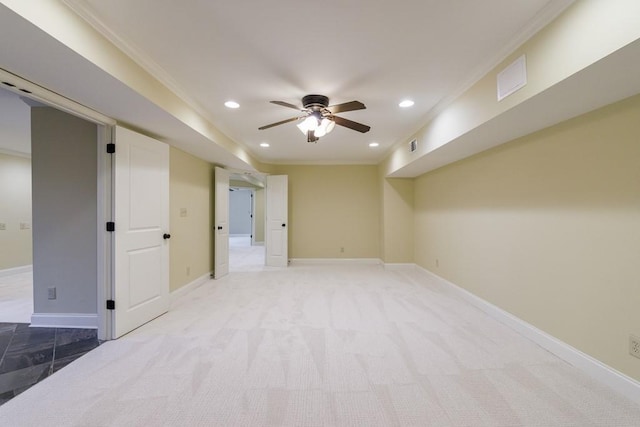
{"points": [[65, 267], [246, 223], [16, 252]]}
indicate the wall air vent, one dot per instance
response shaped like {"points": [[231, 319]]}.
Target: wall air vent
{"points": [[413, 145], [512, 78]]}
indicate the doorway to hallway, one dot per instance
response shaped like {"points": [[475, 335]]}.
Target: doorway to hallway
{"points": [[246, 225]]}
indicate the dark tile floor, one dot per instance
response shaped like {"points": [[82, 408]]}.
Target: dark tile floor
{"points": [[29, 355]]}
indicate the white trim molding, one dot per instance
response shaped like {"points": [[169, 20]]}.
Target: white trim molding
{"points": [[16, 270], [64, 320], [399, 266], [175, 295], [324, 261], [597, 370]]}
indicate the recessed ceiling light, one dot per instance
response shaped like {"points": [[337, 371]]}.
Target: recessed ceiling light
{"points": [[374, 145], [264, 144], [406, 103], [231, 104]]}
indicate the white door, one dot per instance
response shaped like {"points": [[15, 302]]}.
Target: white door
{"points": [[277, 225], [221, 224], [141, 245]]}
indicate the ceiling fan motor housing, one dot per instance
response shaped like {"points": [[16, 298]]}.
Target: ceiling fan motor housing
{"points": [[315, 102]]}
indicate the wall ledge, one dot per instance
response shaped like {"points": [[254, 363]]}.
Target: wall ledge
{"points": [[597, 370], [64, 320]]}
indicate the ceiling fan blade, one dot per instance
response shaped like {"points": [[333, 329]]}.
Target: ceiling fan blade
{"points": [[347, 106], [286, 104], [351, 124], [278, 123]]}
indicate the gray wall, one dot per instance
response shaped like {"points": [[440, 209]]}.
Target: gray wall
{"points": [[64, 165], [240, 212]]}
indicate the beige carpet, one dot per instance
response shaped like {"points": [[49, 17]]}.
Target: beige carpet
{"points": [[340, 345]]}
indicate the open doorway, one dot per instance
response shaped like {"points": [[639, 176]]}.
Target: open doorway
{"points": [[246, 223], [16, 253], [51, 267]]}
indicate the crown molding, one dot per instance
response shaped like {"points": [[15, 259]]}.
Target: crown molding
{"points": [[89, 15]]}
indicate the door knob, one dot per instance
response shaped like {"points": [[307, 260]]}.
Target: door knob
{"points": [[219, 227], [166, 236], [284, 225]]}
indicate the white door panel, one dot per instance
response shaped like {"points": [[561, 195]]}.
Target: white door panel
{"points": [[277, 221], [141, 214], [221, 224]]}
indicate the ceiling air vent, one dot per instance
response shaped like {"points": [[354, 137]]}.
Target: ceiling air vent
{"points": [[512, 78], [413, 145]]}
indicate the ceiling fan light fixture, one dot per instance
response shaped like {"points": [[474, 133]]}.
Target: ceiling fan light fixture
{"points": [[309, 123], [326, 126], [330, 125], [319, 118]]}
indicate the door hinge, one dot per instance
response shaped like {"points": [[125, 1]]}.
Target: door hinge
{"points": [[111, 148], [111, 304], [111, 226]]}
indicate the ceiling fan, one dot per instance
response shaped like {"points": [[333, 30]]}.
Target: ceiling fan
{"points": [[319, 118]]}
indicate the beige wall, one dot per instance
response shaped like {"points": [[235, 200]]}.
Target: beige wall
{"points": [[397, 219], [547, 227], [15, 209], [191, 188], [332, 207]]}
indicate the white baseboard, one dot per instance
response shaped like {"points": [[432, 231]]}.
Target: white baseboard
{"points": [[322, 261], [618, 381], [189, 287], [399, 266], [64, 320], [16, 270]]}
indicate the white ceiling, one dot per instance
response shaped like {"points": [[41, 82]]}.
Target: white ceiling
{"points": [[372, 51]]}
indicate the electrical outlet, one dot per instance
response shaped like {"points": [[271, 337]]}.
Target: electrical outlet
{"points": [[183, 212], [3, 226], [437, 262], [188, 271], [341, 249], [634, 346], [51, 292]]}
